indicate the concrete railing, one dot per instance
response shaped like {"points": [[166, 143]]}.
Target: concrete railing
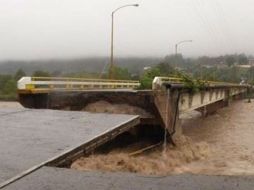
{"points": [[158, 82]]}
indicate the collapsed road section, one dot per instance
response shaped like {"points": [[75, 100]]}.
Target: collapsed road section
{"points": [[30, 139]]}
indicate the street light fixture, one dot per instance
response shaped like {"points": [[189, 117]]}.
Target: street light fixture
{"points": [[112, 37], [181, 42]]}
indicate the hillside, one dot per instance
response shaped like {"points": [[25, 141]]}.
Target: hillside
{"points": [[90, 65]]}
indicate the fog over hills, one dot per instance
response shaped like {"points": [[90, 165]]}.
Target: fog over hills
{"points": [[89, 65]]}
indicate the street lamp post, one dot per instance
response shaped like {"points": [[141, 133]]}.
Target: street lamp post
{"points": [[112, 38], [176, 50], [181, 42]]}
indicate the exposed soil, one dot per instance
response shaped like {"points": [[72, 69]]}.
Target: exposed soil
{"points": [[106, 107]]}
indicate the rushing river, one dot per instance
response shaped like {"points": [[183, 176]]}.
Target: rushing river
{"points": [[230, 136], [220, 144]]}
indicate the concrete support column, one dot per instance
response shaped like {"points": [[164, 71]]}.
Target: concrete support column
{"points": [[166, 102], [227, 97]]}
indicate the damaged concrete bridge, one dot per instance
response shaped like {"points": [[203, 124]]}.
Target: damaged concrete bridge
{"points": [[161, 105], [36, 143]]}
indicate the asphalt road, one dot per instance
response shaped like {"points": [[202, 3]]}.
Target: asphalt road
{"points": [[30, 138], [67, 179]]}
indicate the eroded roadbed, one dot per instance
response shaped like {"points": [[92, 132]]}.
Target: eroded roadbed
{"points": [[66, 179], [30, 139]]}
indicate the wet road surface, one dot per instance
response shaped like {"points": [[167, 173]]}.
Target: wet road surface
{"points": [[30, 138], [66, 179]]}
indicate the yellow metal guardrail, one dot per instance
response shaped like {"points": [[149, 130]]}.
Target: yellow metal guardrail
{"points": [[46, 84], [79, 79]]}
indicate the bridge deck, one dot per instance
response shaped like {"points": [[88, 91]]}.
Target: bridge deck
{"points": [[29, 139]]}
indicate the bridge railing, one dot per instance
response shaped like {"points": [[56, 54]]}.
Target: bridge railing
{"points": [[159, 81], [47, 84]]}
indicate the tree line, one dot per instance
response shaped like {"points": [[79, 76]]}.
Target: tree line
{"points": [[222, 68]]}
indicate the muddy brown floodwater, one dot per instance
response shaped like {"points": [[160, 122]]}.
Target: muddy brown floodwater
{"points": [[220, 144], [230, 136]]}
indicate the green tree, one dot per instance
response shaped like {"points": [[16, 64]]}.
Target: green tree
{"points": [[230, 60], [165, 68], [19, 74], [3, 80], [120, 73], [9, 87], [146, 79], [242, 59], [40, 73]]}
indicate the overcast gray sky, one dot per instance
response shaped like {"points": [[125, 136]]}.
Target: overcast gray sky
{"points": [[34, 29]]}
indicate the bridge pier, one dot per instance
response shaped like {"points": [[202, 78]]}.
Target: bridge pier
{"points": [[167, 104], [173, 99]]}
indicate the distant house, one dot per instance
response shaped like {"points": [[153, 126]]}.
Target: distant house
{"points": [[147, 68], [208, 66], [218, 66], [244, 66], [249, 65]]}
